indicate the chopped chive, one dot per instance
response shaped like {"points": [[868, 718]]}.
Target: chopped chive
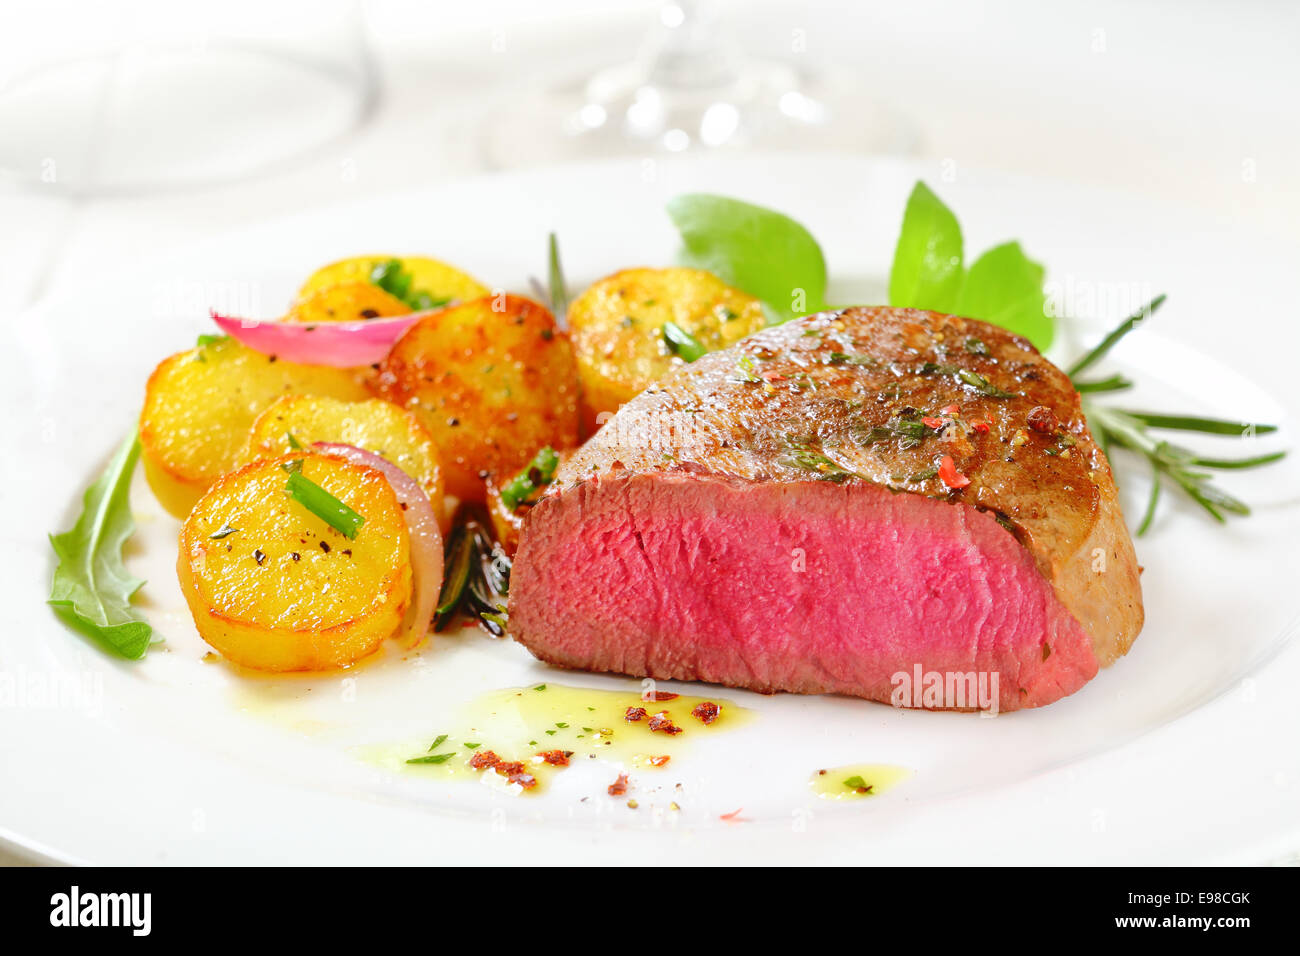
{"points": [[433, 758], [323, 505], [682, 343], [536, 475], [437, 743], [294, 444]]}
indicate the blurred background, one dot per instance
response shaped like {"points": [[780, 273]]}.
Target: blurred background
{"points": [[129, 127]]}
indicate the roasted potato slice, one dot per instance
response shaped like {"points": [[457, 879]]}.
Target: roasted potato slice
{"points": [[492, 380], [375, 425], [273, 587], [438, 280], [617, 326], [199, 404], [352, 300]]}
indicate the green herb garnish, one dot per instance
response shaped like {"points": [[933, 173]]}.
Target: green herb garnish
{"points": [[458, 561], [817, 463], [757, 250], [441, 739], [395, 279], [1003, 286], [968, 378], [857, 783], [433, 758], [91, 589], [323, 505], [535, 476], [1125, 428], [556, 289], [682, 343], [207, 339], [294, 444]]}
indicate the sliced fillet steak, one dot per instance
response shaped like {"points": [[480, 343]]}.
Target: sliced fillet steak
{"points": [[830, 503]]}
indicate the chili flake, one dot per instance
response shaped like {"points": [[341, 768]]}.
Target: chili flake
{"points": [[556, 758], [661, 721], [484, 759], [706, 712], [634, 714], [949, 474], [619, 786]]}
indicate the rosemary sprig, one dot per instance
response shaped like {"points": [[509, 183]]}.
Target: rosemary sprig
{"points": [[477, 579], [556, 290], [1130, 429], [1110, 341]]}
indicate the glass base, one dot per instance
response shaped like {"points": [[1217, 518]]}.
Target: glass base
{"points": [[628, 111]]}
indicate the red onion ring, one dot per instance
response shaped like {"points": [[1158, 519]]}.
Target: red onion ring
{"points": [[337, 344], [426, 538]]}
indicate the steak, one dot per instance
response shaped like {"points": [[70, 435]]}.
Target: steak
{"points": [[834, 502]]}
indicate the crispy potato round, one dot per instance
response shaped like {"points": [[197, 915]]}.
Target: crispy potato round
{"points": [[438, 279], [617, 328], [492, 380], [198, 407], [352, 300], [375, 425], [273, 587]]}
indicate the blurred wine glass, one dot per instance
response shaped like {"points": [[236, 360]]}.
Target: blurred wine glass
{"points": [[144, 95], [691, 89]]}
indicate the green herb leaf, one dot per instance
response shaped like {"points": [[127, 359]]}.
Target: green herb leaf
{"points": [[556, 289], [294, 444], [211, 339], [91, 588], [441, 739], [1109, 342], [1005, 287], [457, 562], [857, 783], [1193, 423], [927, 269], [323, 505], [535, 476], [682, 343], [433, 758], [757, 250]]}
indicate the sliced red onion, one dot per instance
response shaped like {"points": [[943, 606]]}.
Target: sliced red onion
{"points": [[339, 344], [426, 538]]}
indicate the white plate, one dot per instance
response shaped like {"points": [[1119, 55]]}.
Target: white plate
{"points": [[1184, 751]]}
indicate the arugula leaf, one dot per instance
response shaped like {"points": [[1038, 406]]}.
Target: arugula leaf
{"points": [[91, 588], [757, 250], [1003, 286], [927, 270]]}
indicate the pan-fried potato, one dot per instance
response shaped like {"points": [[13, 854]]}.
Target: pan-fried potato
{"points": [[439, 280], [198, 407], [375, 425], [349, 301], [617, 328], [273, 587], [492, 380]]}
